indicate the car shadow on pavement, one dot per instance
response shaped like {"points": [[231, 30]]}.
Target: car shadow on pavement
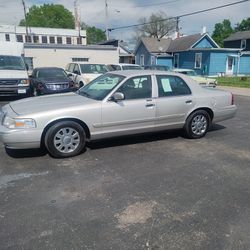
{"points": [[26, 153], [135, 139], [216, 127]]}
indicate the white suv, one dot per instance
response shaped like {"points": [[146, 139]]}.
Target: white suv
{"points": [[123, 66], [83, 73]]}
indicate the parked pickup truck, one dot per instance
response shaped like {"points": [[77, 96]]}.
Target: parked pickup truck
{"points": [[14, 78]]}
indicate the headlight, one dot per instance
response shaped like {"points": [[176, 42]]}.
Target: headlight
{"points": [[18, 123], [24, 82]]}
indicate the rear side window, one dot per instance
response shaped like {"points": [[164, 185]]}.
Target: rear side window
{"points": [[172, 86]]}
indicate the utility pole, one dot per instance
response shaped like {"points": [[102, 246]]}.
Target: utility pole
{"points": [[77, 19], [178, 27], [25, 17], [106, 19]]}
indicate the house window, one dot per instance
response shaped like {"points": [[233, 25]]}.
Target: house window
{"points": [[7, 37], [28, 39], [44, 39], [36, 39], [52, 39], [198, 60], [243, 44], [176, 60], [142, 60], [79, 40], [79, 59], [153, 61], [19, 38], [59, 40], [68, 40]]}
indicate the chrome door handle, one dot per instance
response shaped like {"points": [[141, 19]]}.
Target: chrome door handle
{"points": [[189, 101], [150, 105]]}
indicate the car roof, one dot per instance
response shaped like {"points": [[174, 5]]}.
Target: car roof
{"points": [[128, 73], [180, 69]]}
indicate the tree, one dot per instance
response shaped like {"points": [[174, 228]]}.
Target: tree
{"points": [[243, 25], [157, 25], [94, 35], [222, 31], [49, 15]]}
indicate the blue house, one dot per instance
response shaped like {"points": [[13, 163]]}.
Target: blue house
{"points": [[241, 41], [151, 51], [198, 52]]}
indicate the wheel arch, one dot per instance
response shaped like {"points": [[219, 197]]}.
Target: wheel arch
{"points": [[208, 110], [48, 126]]}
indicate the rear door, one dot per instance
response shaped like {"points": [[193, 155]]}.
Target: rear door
{"points": [[174, 101]]}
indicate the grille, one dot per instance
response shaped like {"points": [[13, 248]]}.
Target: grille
{"points": [[57, 86], [8, 81]]}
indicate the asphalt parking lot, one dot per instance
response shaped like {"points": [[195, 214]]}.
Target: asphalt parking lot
{"points": [[157, 191]]}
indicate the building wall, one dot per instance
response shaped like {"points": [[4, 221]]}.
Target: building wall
{"points": [[205, 43], [236, 44], [143, 51], [245, 64], [60, 57]]}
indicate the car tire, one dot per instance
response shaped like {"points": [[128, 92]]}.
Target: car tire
{"points": [[65, 139], [197, 124]]}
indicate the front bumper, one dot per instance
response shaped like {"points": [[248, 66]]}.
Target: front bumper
{"points": [[20, 138], [14, 90]]}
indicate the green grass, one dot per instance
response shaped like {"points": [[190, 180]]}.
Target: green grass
{"points": [[241, 82]]}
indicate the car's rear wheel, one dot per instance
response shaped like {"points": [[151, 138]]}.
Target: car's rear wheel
{"points": [[197, 124], [65, 139]]}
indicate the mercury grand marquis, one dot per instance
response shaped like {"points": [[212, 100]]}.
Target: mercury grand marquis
{"points": [[114, 104]]}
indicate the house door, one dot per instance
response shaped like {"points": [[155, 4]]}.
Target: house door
{"points": [[230, 65]]}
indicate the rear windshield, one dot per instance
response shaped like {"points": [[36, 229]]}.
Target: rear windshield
{"points": [[11, 63], [93, 68]]}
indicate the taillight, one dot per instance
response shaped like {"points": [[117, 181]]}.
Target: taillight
{"points": [[232, 99]]}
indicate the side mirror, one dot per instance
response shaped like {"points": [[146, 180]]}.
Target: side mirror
{"points": [[69, 75], [118, 96]]}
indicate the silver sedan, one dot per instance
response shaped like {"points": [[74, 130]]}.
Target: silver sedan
{"points": [[114, 104]]}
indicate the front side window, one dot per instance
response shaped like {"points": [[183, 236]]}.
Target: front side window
{"points": [[198, 60], [100, 87], [171, 86], [93, 68], [137, 88], [11, 62]]}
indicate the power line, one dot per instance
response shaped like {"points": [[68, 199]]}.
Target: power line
{"points": [[178, 17]]}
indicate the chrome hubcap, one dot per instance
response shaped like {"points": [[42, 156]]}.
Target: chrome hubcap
{"points": [[199, 125], [66, 140]]}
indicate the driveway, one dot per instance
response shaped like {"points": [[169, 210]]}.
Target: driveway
{"points": [[157, 191]]}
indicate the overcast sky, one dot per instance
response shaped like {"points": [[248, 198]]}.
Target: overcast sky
{"points": [[127, 12]]}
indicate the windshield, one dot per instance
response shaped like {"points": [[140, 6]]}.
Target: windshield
{"points": [[101, 86], [44, 73], [93, 68], [12, 63]]}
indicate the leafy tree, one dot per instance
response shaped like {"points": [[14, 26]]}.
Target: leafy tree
{"points": [[157, 25], [49, 15], [94, 35], [243, 25], [222, 31]]}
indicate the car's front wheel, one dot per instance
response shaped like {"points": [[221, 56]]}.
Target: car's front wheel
{"points": [[197, 124], [65, 139]]}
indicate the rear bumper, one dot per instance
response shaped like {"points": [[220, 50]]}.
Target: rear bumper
{"points": [[224, 114]]}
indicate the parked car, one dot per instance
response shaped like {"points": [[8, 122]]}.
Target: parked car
{"points": [[123, 66], [206, 81], [114, 104], [156, 67], [49, 80], [83, 73]]}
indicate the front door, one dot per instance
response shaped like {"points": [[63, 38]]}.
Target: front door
{"points": [[230, 65], [135, 114]]}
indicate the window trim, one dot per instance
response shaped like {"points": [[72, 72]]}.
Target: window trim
{"points": [[243, 41], [200, 63]]}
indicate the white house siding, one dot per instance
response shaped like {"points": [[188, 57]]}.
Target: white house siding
{"points": [[60, 56]]}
